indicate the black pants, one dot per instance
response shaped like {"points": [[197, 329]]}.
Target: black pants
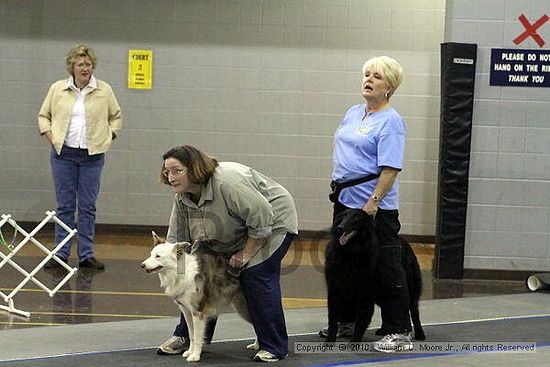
{"points": [[393, 293]]}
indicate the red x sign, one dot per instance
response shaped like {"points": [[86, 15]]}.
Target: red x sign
{"points": [[531, 30]]}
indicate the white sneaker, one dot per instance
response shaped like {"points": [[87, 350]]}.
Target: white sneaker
{"points": [[265, 356], [394, 343], [174, 345]]}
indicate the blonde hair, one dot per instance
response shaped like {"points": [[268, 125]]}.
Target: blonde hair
{"points": [[77, 51], [390, 69]]}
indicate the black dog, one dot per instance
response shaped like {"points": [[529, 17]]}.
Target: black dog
{"points": [[351, 276]]}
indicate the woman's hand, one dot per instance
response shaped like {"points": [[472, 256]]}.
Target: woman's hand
{"points": [[371, 207], [385, 182], [242, 257], [239, 260], [48, 135]]}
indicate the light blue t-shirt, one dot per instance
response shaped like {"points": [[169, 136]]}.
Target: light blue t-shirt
{"points": [[363, 147]]}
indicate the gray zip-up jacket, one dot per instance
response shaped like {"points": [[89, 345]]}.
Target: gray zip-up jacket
{"points": [[236, 203]]}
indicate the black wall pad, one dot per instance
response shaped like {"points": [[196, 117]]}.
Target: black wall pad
{"points": [[458, 64]]}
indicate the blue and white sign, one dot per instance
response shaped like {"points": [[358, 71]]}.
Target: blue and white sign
{"points": [[520, 68]]}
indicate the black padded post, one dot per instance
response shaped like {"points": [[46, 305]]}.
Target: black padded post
{"points": [[458, 64]]}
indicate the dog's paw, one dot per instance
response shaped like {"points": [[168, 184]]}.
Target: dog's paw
{"points": [[195, 357], [254, 346], [186, 353]]}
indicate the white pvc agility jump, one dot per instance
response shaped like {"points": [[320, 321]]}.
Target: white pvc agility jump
{"points": [[12, 250]]}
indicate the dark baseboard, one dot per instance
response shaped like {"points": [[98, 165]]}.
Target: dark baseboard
{"points": [[414, 238], [105, 229], [304, 235], [491, 274], [141, 230]]}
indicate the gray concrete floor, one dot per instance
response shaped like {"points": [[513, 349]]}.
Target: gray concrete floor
{"points": [[34, 343], [123, 309]]}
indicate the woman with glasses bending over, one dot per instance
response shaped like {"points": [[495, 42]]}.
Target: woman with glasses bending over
{"points": [[79, 117], [235, 210], [370, 141]]}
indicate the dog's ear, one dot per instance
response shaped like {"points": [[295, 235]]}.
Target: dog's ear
{"points": [[182, 248], [156, 238]]}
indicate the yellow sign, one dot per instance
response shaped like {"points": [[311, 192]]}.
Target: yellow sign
{"points": [[140, 69]]}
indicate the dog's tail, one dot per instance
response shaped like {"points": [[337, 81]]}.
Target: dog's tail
{"points": [[239, 303], [417, 277], [414, 283], [412, 268]]}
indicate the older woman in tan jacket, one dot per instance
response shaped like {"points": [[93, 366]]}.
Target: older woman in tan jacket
{"points": [[79, 117]]}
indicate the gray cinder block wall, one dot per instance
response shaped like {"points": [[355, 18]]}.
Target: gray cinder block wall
{"points": [[261, 82], [509, 195]]}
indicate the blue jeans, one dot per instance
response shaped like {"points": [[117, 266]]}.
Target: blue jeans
{"points": [[76, 177], [262, 289]]}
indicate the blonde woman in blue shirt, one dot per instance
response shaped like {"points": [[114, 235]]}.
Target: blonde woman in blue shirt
{"points": [[371, 141]]}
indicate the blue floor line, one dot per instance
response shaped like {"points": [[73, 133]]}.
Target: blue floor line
{"points": [[380, 359]]}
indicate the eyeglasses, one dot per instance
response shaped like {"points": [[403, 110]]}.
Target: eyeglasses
{"points": [[174, 172]]}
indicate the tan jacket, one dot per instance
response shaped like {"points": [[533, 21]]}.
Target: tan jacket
{"points": [[103, 116]]}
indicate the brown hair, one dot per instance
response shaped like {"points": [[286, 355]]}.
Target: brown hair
{"points": [[200, 166], [77, 51]]}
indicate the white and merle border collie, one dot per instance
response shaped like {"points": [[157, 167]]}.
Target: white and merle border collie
{"points": [[199, 282]]}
